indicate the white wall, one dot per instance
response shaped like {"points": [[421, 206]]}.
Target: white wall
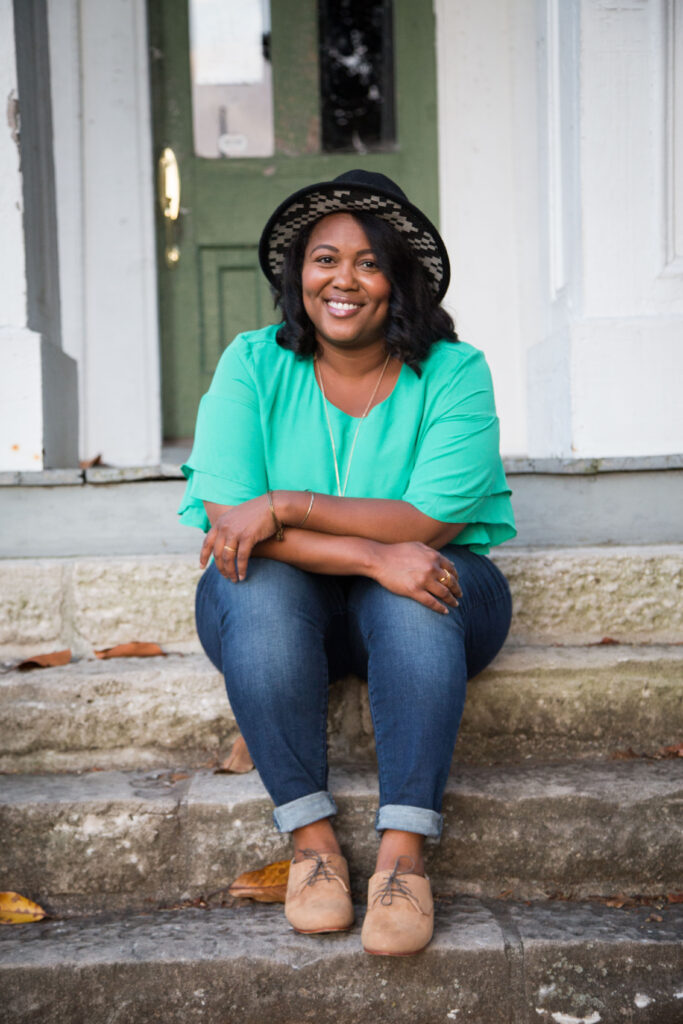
{"points": [[561, 134], [105, 217], [488, 173], [34, 433]]}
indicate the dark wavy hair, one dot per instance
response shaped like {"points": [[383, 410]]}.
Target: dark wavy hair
{"points": [[415, 319]]}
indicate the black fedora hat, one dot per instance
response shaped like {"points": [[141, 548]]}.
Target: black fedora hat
{"points": [[355, 190]]}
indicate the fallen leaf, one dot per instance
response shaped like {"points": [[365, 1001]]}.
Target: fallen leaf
{"points": [[238, 760], [676, 750], [16, 909], [655, 917], [178, 776], [135, 649], [623, 755], [617, 901], [89, 463], [267, 885], [505, 894], [675, 897], [45, 660]]}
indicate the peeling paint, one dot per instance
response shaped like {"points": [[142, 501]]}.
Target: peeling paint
{"points": [[14, 117], [566, 1018]]}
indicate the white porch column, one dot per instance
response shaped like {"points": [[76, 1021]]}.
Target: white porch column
{"points": [[38, 400], [105, 221], [561, 147], [627, 336]]}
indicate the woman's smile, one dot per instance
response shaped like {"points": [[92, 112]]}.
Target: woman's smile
{"points": [[345, 294]]}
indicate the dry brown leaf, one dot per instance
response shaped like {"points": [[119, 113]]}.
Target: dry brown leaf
{"points": [[607, 640], [238, 760], [675, 897], [656, 917], [135, 649], [46, 660], [676, 750], [16, 909], [267, 885], [617, 901], [623, 755], [178, 776], [89, 463]]}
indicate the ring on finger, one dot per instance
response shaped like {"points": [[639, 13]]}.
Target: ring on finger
{"points": [[446, 576], [228, 548]]}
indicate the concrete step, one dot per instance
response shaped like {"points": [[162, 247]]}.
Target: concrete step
{"points": [[111, 840], [572, 596], [543, 702], [488, 963]]}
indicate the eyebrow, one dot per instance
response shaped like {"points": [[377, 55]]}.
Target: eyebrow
{"points": [[333, 248]]}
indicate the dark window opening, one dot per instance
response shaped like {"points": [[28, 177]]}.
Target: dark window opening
{"points": [[357, 75]]}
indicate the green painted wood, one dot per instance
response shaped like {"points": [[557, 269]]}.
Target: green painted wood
{"points": [[216, 289]]}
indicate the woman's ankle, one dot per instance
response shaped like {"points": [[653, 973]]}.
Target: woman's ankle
{"points": [[318, 836], [408, 846]]}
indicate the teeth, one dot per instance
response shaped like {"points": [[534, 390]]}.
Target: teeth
{"points": [[342, 305]]}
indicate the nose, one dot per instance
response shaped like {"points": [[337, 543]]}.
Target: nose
{"points": [[345, 275]]}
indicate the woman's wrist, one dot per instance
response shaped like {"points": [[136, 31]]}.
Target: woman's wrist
{"points": [[291, 506]]}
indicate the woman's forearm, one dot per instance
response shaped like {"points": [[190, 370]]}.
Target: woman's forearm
{"points": [[325, 553], [383, 520]]}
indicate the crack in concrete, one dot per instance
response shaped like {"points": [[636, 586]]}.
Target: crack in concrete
{"points": [[514, 955]]}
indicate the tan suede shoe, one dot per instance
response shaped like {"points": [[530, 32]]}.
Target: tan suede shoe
{"points": [[318, 896], [400, 917]]}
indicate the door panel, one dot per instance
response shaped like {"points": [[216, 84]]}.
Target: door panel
{"points": [[216, 289]]}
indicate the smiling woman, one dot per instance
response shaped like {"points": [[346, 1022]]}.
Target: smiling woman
{"points": [[347, 474], [346, 295]]}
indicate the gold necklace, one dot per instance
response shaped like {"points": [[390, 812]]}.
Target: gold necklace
{"points": [[342, 491]]}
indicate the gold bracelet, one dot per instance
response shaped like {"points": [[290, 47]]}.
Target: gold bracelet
{"points": [[310, 506], [279, 528]]}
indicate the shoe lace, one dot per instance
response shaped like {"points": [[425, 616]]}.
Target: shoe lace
{"points": [[321, 870], [396, 886]]}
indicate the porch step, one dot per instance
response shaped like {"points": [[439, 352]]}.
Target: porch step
{"points": [[571, 596], [489, 963], [112, 840], [532, 702]]}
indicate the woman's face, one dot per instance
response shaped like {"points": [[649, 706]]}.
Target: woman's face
{"points": [[345, 293]]}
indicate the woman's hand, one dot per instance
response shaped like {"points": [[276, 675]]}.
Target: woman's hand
{"points": [[414, 570], [234, 533]]}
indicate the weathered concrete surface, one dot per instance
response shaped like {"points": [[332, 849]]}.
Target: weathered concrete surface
{"points": [[113, 839], [560, 596], [633, 594], [540, 702], [558, 964], [123, 713], [31, 606]]}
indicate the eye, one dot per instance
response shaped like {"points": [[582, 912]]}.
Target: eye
{"points": [[369, 264], [325, 260]]}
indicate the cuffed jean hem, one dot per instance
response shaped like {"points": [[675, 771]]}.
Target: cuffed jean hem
{"points": [[303, 811], [410, 819]]}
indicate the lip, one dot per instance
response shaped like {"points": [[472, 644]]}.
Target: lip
{"points": [[342, 308]]}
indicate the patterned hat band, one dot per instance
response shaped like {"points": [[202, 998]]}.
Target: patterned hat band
{"points": [[355, 190]]}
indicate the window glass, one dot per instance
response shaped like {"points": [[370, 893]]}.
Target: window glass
{"points": [[356, 75], [232, 93]]}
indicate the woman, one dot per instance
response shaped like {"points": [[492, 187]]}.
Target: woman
{"points": [[346, 468]]}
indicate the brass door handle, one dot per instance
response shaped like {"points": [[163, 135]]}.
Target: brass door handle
{"points": [[168, 185]]}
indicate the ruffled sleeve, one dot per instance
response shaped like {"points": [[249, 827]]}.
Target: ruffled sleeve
{"points": [[227, 464], [458, 475]]}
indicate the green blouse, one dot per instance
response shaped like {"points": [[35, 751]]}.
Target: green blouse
{"points": [[433, 442]]}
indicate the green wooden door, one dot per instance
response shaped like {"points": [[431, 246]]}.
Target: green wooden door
{"points": [[216, 289]]}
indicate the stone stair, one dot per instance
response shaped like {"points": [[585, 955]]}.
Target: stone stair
{"points": [[112, 817]]}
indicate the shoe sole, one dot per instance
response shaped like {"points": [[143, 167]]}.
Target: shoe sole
{"points": [[322, 931], [385, 952]]}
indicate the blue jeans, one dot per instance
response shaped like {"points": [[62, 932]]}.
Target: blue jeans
{"points": [[282, 635]]}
